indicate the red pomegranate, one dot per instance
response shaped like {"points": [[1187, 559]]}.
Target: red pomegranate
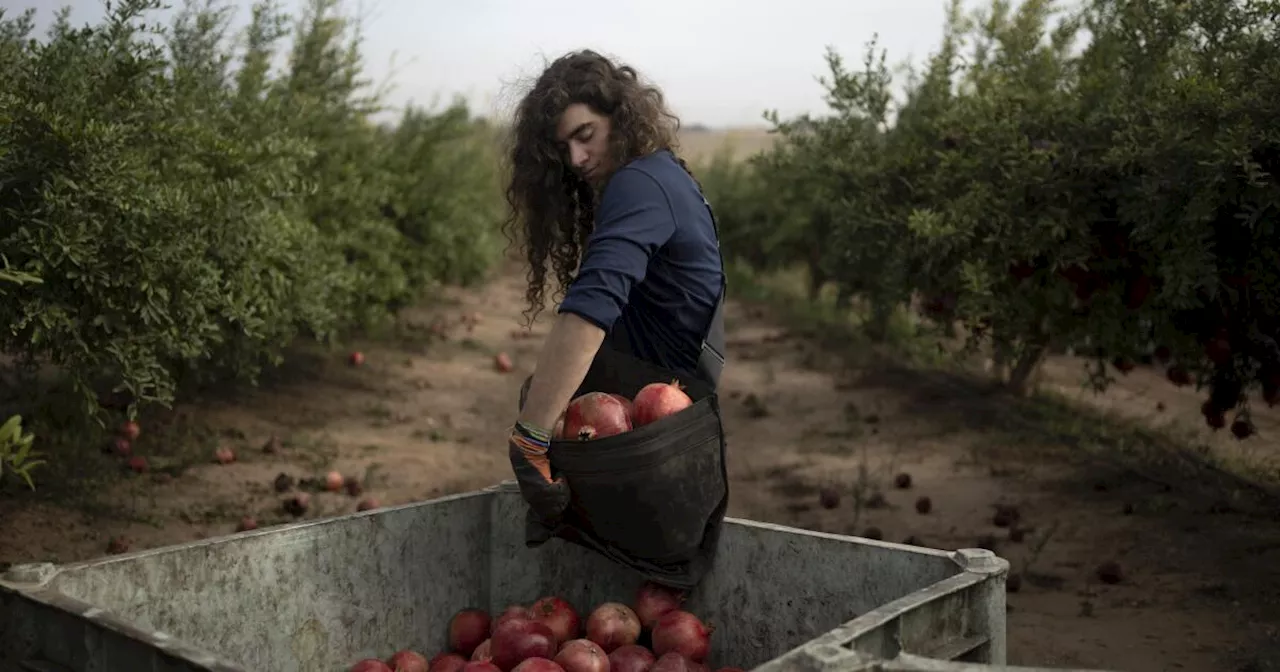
{"points": [[558, 615], [658, 400], [595, 415], [683, 633], [626, 403], [631, 658]]}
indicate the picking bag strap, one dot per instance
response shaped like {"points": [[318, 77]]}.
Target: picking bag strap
{"points": [[711, 359]]}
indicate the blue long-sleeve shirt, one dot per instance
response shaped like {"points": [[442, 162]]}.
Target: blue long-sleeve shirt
{"points": [[652, 264]]}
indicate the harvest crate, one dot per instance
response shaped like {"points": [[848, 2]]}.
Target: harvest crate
{"points": [[319, 595]]}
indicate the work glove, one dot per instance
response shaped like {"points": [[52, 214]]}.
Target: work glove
{"points": [[548, 497]]}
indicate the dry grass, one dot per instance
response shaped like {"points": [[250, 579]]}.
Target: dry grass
{"points": [[697, 145]]}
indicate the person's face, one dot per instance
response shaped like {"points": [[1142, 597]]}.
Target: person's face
{"points": [[583, 134]]}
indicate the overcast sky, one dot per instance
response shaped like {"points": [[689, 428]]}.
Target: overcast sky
{"points": [[720, 62]]}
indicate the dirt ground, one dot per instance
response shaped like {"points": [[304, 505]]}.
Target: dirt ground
{"points": [[425, 416]]}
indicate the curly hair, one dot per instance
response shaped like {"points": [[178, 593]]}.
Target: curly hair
{"points": [[552, 208]]}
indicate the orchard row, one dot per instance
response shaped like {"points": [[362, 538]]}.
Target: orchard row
{"points": [[1103, 181], [189, 210]]}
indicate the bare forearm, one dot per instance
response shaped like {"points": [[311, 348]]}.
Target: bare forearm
{"points": [[566, 356]]}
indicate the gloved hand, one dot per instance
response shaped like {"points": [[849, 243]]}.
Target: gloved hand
{"points": [[546, 496]]}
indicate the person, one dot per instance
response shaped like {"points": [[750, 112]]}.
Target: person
{"points": [[600, 199]]}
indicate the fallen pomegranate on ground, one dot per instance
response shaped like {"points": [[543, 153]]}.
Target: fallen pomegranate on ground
{"points": [[224, 455], [333, 481], [502, 362]]}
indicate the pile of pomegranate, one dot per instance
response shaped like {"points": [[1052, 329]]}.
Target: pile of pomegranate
{"points": [[596, 415], [549, 636]]}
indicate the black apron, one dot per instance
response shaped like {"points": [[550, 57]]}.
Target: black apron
{"points": [[652, 499]]}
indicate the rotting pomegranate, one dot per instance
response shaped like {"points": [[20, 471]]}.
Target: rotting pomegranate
{"points": [[681, 632], [582, 655], [467, 630], [447, 662], [595, 415], [653, 600], [612, 625], [631, 658], [658, 400], [558, 615], [520, 639]]}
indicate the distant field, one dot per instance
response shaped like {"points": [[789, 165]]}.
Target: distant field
{"points": [[696, 145]]}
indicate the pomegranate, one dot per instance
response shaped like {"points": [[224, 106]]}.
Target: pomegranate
{"points": [[582, 655], [447, 662], [520, 639], [368, 504], [480, 666], [333, 481], [130, 430], [357, 358], [537, 664], [612, 625], [247, 523], [138, 464], [467, 630], [513, 611], [626, 403], [122, 446], [675, 662], [482, 652], [595, 415], [558, 615], [224, 455], [370, 665], [658, 400], [407, 661], [681, 632], [502, 362], [653, 600], [631, 658]]}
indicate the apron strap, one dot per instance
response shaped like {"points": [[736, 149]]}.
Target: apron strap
{"points": [[711, 360]]}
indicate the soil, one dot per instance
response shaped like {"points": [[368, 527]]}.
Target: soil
{"points": [[1197, 546]]}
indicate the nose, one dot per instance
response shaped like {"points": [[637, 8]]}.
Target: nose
{"points": [[577, 154]]}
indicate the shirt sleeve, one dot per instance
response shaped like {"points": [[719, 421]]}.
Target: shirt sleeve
{"points": [[633, 222]]}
